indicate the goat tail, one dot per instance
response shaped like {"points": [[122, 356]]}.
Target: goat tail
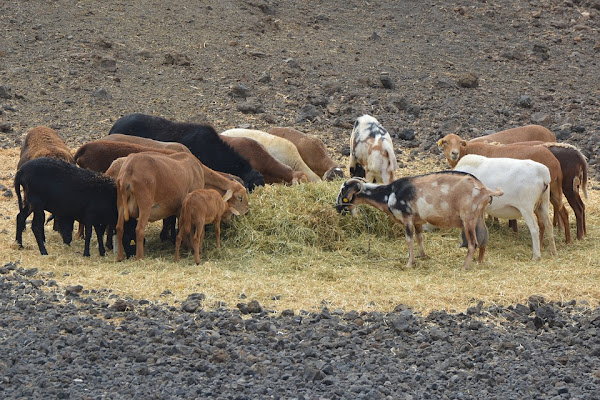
{"points": [[497, 193], [17, 184], [584, 181], [124, 192]]}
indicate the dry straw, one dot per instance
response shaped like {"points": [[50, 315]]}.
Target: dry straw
{"points": [[294, 251]]}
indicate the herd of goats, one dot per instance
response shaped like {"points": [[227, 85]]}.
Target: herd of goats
{"points": [[149, 168]]}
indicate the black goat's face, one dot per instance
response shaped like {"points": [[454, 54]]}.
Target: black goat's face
{"points": [[345, 199]]}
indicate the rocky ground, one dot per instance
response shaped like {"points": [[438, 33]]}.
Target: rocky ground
{"points": [[74, 344], [423, 68]]}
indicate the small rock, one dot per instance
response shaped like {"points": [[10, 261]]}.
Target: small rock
{"points": [[122, 305], [5, 92], [308, 113], [541, 118], [240, 90], [252, 106], [108, 64], [525, 101], [176, 59], [386, 80], [406, 134], [101, 94], [73, 289], [468, 80]]}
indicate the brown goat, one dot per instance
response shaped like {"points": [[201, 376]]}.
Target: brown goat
{"points": [[313, 152], [574, 168], [43, 141], [271, 168], [201, 207], [152, 186], [99, 154], [454, 148], [156, 144], [519, 134]]}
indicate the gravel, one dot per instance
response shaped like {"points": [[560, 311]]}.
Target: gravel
{"points": [[73, 343]]}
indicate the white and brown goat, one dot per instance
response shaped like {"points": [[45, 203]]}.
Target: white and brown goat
{"points": [[448, 199]]}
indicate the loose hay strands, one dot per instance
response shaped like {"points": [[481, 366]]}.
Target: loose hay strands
{"points": [[293, 250]]}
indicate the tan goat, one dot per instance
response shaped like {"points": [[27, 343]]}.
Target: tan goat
{"points": [[152, 186], [313, 152], [155, 144], [202, 207], [261, 160], [43, 141], [281, 149], [454, 148]]}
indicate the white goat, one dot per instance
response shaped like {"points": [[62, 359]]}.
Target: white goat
{"points": [[525, 184]]}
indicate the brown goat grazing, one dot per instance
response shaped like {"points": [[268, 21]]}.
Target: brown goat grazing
{"points": [[155, 144], [574, 168], [454, 148], [313, 152], [519, 134], [448, 199], [99, 154], [152, 186], [201, 207], [43, 141], [271, 168]]}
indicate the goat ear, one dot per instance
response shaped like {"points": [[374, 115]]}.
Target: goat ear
{"points": [[234, 211], [463, 143], [441, 142], [228, 195]]}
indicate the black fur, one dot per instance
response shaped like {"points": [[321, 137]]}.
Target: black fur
{"points": [[202, 140], [71, 194]]}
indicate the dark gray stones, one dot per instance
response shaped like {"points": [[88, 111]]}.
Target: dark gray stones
{"points": [[468, 80]]}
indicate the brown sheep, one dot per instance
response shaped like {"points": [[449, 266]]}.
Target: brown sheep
{"points": [[156, 144], [313, 152], [454, 148], [201, 207], [519, 134], [99, 154], [43, 141], [152, 186], [271, 168]]}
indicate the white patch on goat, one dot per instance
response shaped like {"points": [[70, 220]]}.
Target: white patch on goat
{"points": [[392, 201], [475, 192], [385, 198], [445, 189], [425, 209], [445, 206]]}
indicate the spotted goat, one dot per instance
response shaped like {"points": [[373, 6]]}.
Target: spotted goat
{"points": [[371, 151], [445, 199]]}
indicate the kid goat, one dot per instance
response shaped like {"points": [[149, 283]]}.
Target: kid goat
{"points": [[201, 207], [444, 199]]}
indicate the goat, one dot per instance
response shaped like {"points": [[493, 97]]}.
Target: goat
{"points": [[152, 186], [201, 207], [444, 199], [525, 184], [155, 144], [313, 152], [519, 134], [98, 155], [201, 139], [70, 193], [372, 151], [271, 168], [280, 148], [43, 141], [454, 148]]}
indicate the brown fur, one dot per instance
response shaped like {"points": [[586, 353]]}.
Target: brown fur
{"points": [[201, 207], [454, 148], [99, 154], [43, 141], [313, 152], [152, 186], [156, 144], [271, 169], [519, 134]]}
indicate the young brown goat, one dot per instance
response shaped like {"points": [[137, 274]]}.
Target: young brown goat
{"points": [[43, 141], [519, 134], [202, 207], [444, 199]]}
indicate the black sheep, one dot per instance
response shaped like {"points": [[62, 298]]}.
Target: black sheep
{"points": [[71, 194], [202, 140]]}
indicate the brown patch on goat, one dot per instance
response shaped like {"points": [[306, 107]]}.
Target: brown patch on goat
{"points": [[43, 141]]}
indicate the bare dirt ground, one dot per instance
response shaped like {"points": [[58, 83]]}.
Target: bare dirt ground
{"points": [[423, 68]]}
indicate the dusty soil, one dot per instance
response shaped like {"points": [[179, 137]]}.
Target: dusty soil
{"points": [[423, 68]]}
